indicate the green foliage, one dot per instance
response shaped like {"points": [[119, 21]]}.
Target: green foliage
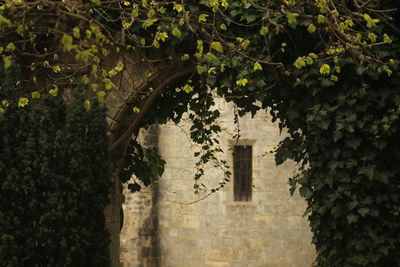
{"points": [[326, 70], [54, 184], [346, 141], [145, 163]]}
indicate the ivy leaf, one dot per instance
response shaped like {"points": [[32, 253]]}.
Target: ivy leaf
{"points": [[351, 218], [257, 66], [66, 41], [354, 143], [372, 36], [325, 69], [203, 17], [242, 82], [178, 7], [148, 22], [249, 17], [292, 18], [353, 204], [210, 57], [187, 88], [217, 47], [327, 82], [311, 28], [299, 63], [7, 62], [305, 192], [10, 47], [100, 96], [363, 211], [321, 19], [35, 95], [367, 171], [387, 39], [176, 32], [22, 102], [384, 250], [87, 105], [263, 30]]}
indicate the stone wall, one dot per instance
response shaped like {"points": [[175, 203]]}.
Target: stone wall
{"points": [[217, 231], [138, 239]]}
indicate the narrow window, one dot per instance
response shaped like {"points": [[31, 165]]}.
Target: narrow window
{"points": [[242, 170]]}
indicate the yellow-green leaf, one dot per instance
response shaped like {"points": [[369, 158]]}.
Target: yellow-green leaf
{"points": [[161, 36], [108, 84], [176, 32], [7, 62], [257, 66], [185, 57], [156, 44], [203, 17], [200, 69], [10, 47], [22, 102], [35, 95], [151, 13], [4, 20], [217, 47], [210, 57], [66, 41], [245, 44], [264, 30], [325, 69], [292, 18], [311, 28], [334, 78], [242, 82], [148, 22], [85, 79], [187, 88], [119, 67], [76, 32], [100, 96], [87, 105], [321, 19], [299, 63], [53, 91], [372, 36], [5, 103], [178, 7], [387, 39]]}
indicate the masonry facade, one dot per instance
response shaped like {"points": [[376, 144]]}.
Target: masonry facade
{"points": [[163, 227]]}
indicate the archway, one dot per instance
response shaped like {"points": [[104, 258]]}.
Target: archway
{"points": [[139, 85]]}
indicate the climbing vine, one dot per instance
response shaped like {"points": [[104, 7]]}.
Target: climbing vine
{"points": [[326, 69], [54, 181]]}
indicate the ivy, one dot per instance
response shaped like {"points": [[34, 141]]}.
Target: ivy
{"points": [[54, 184]]}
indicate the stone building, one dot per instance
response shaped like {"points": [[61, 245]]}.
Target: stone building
{"points": [[253, 221]]}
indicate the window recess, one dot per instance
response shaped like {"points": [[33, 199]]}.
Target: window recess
{"points": [[242, 172]]}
